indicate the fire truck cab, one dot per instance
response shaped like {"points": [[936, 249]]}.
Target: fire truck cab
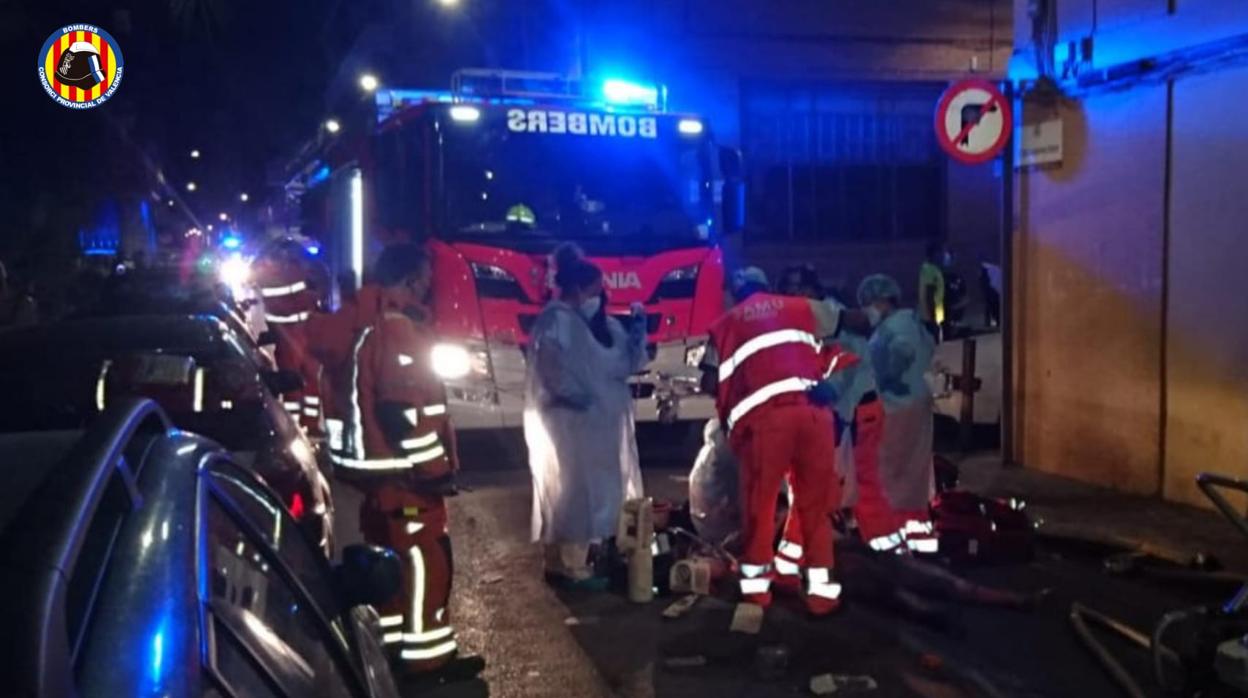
{"points": [[496, 173]]}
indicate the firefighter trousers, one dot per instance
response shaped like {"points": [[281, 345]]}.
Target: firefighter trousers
{"points": [[416, 623], [787, 439]]}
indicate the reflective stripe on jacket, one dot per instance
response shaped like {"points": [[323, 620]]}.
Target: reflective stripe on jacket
{"points": [[766, 347], [386, 413]]}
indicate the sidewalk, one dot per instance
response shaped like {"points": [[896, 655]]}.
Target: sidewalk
{"points": [[1075, 509]]}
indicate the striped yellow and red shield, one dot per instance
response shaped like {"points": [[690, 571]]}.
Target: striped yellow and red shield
{"points": [[110, 59]]}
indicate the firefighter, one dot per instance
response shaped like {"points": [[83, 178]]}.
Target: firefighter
{"points": [[390, 436], [292, 290], [763, 359]]}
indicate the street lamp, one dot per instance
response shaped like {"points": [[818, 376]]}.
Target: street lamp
{"points": [[195, 154], [191, 186], [369, 82], [448, 3], [244, 198], [333, 126], [223, 216]]}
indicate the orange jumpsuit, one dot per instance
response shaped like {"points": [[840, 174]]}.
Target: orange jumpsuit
{"points": [[289, 293], [389, 435]]}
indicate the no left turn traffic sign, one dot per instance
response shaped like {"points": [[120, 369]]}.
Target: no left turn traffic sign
{"points": [[973, 121]]}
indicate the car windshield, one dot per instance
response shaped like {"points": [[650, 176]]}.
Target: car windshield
{"points": [[596, 189]]}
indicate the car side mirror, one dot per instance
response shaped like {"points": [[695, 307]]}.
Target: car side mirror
{"points": [[267, 338], [732, 200], [283, 381], [367, 575]]}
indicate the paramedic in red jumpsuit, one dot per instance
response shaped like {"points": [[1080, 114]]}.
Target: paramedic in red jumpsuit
{"points": [[389, 436], [763, 358]]}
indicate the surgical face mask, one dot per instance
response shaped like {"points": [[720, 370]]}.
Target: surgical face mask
{"points": [[874, 316], [590, 306]]}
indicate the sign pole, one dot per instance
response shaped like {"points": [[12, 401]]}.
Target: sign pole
{"points": [[1007, 292]]}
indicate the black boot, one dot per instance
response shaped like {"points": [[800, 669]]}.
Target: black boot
{"points": [[461, 668]]}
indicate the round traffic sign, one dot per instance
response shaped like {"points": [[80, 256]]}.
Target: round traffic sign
{"points": [[973, 121]]}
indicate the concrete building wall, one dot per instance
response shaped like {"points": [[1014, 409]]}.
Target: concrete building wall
{"points": [[1131, 303], [1088, 296], [1207, 312]]}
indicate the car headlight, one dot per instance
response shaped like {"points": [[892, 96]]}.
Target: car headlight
{"points": [[451, 361]]}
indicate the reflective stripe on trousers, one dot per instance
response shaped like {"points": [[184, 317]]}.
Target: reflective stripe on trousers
{"points": [[819, 583], [754, 579]]}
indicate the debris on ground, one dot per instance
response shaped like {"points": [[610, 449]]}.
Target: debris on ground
{"points": [[771, 662], [492, 579], [585, 620], [684, 662], [681, 607], [841, 684], [747, 618]]}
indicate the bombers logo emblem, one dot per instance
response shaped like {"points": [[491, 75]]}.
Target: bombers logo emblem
{"points": [[80, 66]]}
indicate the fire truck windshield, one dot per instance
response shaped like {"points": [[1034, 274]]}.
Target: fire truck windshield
{"points": [[604, 191]]}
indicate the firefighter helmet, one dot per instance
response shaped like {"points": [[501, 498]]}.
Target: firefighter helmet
{"points": [[80, 66]]}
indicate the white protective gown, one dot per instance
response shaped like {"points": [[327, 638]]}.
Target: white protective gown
{"points": [[578, 425], [901, 351]]}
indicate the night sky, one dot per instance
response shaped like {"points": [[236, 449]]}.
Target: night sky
{"points": [[244, 82]]}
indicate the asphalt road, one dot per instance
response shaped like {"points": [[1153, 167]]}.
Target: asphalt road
{"points": [[906, 631]]}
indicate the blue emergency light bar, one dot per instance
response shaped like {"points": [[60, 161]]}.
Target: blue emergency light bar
{"points": [[623, 92], [481, 86]]}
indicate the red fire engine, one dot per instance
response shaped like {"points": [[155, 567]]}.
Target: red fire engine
{"points": [[498, 171]]}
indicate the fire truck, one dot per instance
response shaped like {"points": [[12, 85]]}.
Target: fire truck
{"points": [[495, 173]]}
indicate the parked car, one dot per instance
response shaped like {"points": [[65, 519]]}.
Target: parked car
{"points": [[184, 290], [137, 559], [208, 378]]}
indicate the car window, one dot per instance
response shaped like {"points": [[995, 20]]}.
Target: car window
{"points": [[266, 510], [91, 564], [259, 605], [238, 668]]}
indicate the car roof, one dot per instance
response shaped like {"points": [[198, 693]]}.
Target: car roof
{"points": [[103, 335], [53, 560]]}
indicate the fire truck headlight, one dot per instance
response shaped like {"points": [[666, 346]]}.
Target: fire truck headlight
{"points": [[690, 127], [465, 113], [451, 361], [235, 272]]}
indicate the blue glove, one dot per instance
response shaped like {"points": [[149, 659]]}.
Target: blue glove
{"points": [[822, 393]]}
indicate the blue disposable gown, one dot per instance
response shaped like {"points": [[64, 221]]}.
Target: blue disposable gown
{"points": [[578, 425], [901, 351]]}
